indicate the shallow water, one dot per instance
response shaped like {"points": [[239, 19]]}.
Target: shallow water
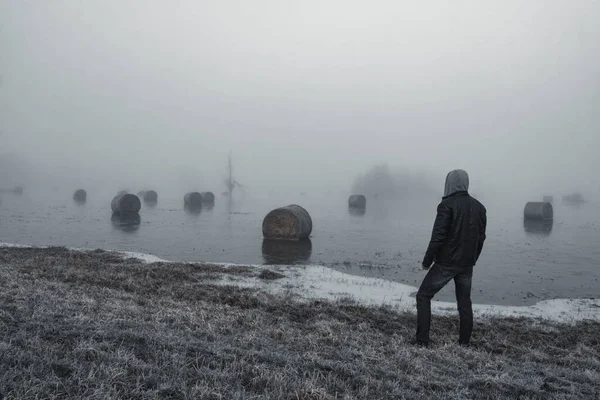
{"points": [[520, 264]]}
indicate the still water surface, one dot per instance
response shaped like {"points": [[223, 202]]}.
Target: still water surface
{"points": [[520, 264]]}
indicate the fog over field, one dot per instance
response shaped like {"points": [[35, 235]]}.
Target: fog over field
{"points": [[306, 95]]}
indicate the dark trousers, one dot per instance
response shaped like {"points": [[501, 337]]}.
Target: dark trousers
{"points": [[437, 277]]}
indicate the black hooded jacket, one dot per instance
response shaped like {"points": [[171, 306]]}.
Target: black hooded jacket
{"points": [[459, 228]]}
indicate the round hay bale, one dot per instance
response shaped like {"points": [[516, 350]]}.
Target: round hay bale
{"points": [[193, 199], [80, 195], [208, 197], [357, 201], [538, 210], [287, 223], [150, 196], [284, 252], [126, 204], [573, 199], [548, 199], [141, 193]]}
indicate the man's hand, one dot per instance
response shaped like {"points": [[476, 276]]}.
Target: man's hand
{"points": [[426, 267]]}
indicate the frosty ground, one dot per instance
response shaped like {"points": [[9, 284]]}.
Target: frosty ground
{"points": [[95, 324]]}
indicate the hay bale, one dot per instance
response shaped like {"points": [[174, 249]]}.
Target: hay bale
{"points": [[357, 201], [17, 190], [150, 196], [284, 252], [538, 210], [208, 197], [80, 196], [141, 193], [193, 199], [572, 199], [126, 204], [287, 223]]}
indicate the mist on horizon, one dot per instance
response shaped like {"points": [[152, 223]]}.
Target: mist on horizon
{"points": [[304, 95]]}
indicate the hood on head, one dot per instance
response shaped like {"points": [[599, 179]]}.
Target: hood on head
{"points": [[456, 181]]}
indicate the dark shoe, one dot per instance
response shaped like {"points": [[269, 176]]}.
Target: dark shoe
{"points": [[464, 344]]}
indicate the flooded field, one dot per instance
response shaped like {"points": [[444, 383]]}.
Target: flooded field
{"points": [[521, 264]]}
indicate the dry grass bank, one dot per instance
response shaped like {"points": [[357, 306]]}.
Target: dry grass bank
{"points": [[92, 325]]}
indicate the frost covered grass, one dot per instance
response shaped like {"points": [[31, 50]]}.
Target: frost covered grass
{"points": [[95, 325]]}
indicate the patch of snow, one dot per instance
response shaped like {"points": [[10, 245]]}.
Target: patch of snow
{"points": [[147, 258], [19, 246], [318, 282]]}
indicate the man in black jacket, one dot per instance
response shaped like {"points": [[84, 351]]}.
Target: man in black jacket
{"points": [[456, 243]]}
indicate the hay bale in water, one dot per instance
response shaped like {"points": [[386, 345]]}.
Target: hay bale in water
{"points": [[357, 201], [208, 197], [126, 204], [287, 223], [80, 196], [548, 199], [17, 190], [193, 199], [575, 198], [538, 210], [150, 196]]}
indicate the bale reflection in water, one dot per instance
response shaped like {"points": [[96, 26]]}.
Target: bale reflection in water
{"points": [[286, 252], [150, 204], [357, 212], [538, 227], [192, 210], [126, 222]]}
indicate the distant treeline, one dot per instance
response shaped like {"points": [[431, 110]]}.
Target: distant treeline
{"points": [[381, 182]]}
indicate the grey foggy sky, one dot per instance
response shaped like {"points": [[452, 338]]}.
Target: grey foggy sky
{"points": [[304, 91]]}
